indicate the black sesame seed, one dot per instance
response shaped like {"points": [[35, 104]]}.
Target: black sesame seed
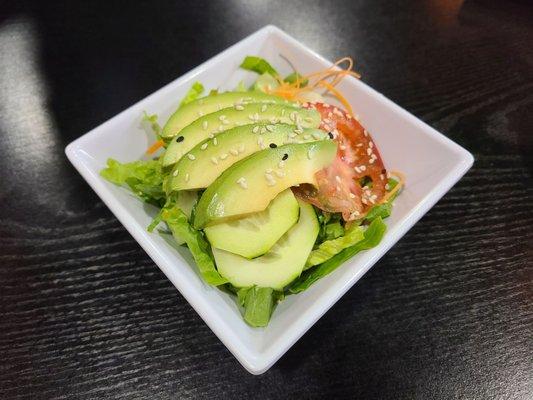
{"points": [[273, 145], [180, 139], [285, 156], [330, 135]]}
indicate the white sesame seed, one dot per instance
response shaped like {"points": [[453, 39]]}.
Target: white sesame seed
{"points": [[242, 183], [387, 186], [260, 141], [211, 135], [330, 114], [359, 145], [365, 132], [203, 146], [214, 160], [326, 127], [268, 171], [239, 107], [342, 147], [175, 173], [388, 174], [364, 201], [369, 151], [255, 129], [381, 176], [223, 156], [221, 128], [338, 188], [186, 177], [280, 174], [370, 144], [200, 114], [256, 116], [357, 169], [371, 161], [263, 108], [222, 117], [326, 105], [281, 164], [338, 178], [251, 117], [270, 128], [271, 183], [234, 152], [298, 130], [363, 167], [310, 153], [215, 141], [293, 135], [191, 157], [262, 130], [225, 122], [204, 125], [273, 120], [372, 200], [316, 135], [292, 116], [308, 119], [352, 196]]}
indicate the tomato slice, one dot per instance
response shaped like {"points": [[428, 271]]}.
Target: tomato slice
{"points": [[357, 177]]}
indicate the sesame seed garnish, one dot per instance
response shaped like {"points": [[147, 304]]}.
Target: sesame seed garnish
{"points": [[280, 174], [242, 183], [338, 188], [352, 196], [225, 122], [273, 145], [330, 114], [200, 114], [369, 151], [211, 135], [308, 119], [273, 120], [310, 153], [359, 145], [325, 105], [281, 164], [239, 107], [186, 177], [222, 117], [342, 147], [388, 174], [387, 186], [365, 132], [256, 116], [363, 167], [364, 201], [293, 135], [356, 117], [221, 128], [214, 160], [179, 139], [262, 130], [357, 169], [338, 178], [292, 116], [263, 108], [381, 176], [191, 157], [223, 156], [271, 183], [175, 173], [204, 125], [268, 170], [371, 161], [326, 127], [215, 141], [370, 144], [298, 130], [270, 128], [255, 129], [234, 152], [204, 146], [316, 135], [260, 141]]}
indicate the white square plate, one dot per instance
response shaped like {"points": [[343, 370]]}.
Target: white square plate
{"points": [[431, 162]]}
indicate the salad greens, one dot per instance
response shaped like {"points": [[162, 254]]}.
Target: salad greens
{"points": [[336, 242]]}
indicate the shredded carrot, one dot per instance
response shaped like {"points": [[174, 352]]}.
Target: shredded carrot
{"points": [[156, 146], [399, 185], [326, 79]]}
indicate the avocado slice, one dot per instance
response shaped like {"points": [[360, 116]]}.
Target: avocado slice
{"points": [[250, 185], [212, 124], [254, 234], [210, 160], [281, 265], [190, 112]]}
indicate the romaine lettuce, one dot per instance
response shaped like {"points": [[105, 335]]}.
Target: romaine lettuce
{"points": [[258, 65], [194, 92]]}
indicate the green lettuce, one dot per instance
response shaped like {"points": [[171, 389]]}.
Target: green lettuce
{"points": [[372, 236], [258, 65], [295, 77], [194, 92], [258, 303], [329, 248], [152, 120], [181, 229], [144, 178], [241, 87]]}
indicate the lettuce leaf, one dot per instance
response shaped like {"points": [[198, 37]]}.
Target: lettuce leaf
{"points": [[329, 248], [241, 87], [258, 304], [194, 92], [144, 178], [294, 77], [199, 247], [372, 236], [152, 120], [258, 65]]}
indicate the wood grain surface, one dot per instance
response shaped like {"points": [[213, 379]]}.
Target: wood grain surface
{"points": [[85, 314]]}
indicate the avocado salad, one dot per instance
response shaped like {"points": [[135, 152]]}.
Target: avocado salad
{"points": [[271, 187]]}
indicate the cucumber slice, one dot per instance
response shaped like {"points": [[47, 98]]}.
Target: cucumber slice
{"points": [[281, 265], [254, 235]]}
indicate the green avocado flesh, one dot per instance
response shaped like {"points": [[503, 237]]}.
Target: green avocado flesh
{"points": [[278, 267], [210, 160], [206, 105], [250, 185], [254, 234], [213, 124]]}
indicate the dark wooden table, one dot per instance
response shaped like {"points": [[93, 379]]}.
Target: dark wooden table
{"points": [[84, 313]]}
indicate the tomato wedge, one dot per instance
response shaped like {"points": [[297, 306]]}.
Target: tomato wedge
{"points": [[357, 177]]}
